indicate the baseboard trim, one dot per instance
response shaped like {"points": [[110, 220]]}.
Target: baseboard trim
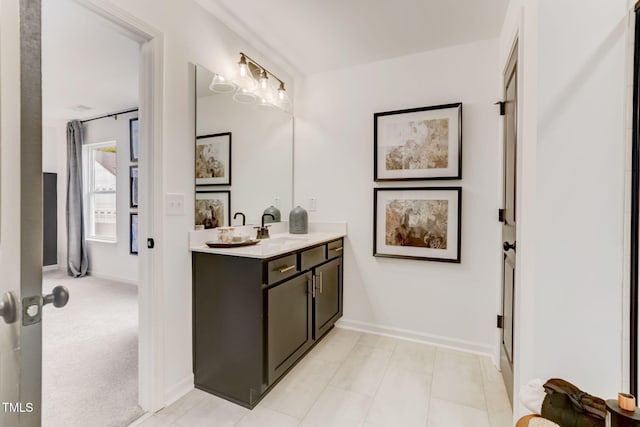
{"points": [[141, 420], [52, 267], [178, 390], [113, 278], [421, 337]]}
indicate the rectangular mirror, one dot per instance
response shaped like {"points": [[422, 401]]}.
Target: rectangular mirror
{"points": [[243, 149]]}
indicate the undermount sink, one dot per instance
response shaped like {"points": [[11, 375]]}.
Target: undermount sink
{"points": [[284, 241]]}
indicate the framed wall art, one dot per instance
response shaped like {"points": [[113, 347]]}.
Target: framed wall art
{"points": [[134, 144], [133, 186], [420, 223], [133, 233], [213, 209], [213, 159], [418, 144]]}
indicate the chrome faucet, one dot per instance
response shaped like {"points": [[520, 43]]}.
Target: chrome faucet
{"points": [[263, 231], [244, 219]]}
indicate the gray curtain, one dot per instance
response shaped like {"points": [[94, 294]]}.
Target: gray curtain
{"points": [[77, 257]]}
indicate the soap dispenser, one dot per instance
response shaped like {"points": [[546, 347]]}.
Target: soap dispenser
{"points": [[298, 221]]}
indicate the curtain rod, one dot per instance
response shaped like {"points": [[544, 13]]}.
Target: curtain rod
{"points": [[109, 115]]}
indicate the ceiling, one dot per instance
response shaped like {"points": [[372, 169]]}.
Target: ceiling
{"points": [[85, 61], [315, 36]]}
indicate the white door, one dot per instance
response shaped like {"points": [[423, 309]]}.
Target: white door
{"points": [[21, 299], [20, 346]]}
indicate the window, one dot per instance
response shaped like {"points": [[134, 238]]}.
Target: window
{"points": [[99, 165]]}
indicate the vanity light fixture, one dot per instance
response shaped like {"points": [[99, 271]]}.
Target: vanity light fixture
{"points": [[244, 96], [245, 80], [253, 84], [221, 85]]}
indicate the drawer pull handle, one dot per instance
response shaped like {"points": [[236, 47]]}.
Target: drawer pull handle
{"points": [[285, 269], [339, 249]]}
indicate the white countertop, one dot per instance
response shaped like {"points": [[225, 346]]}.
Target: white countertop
{"points": [[279, 243]]}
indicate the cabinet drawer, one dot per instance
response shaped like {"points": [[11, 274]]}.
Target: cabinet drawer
{"points": [[334, 249], [281, 268], [312, 257]]}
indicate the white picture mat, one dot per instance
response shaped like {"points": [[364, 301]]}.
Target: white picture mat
{"points": [[386, 139], [220, 145], [383, 197]]}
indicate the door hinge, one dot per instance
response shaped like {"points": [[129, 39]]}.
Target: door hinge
{"points": [[151, 243], [501, 215], [502, 105], [500, 321]]}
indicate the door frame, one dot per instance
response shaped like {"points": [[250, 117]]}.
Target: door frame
{"points": [[513, 56], [151, 390], [634, 246]]}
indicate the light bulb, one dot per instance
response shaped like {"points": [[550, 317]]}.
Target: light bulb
{"points": [[243, 67], [263, 79], [281, 92]]}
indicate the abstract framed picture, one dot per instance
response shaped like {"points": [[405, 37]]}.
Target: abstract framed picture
{"points": [[418, 144], [133, 233], [417, 223], [213, 209], [213, 159], [134, 144], [133, 186]]}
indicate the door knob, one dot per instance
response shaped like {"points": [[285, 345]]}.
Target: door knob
{"points": [[506, 246], [59, 297], [8, 308]]}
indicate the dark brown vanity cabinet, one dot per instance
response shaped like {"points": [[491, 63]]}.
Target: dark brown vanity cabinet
{"points": [[253, 319], [328, 296]]}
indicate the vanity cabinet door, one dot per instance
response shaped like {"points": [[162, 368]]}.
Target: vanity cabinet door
{"points": [[328, 296], [289, 332]]}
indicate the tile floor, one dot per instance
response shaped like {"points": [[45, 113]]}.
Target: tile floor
{"points": [[352, 379]]}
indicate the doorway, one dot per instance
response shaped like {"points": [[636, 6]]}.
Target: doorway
{"points": [[508, 218], [21, 228], [90, 347]]}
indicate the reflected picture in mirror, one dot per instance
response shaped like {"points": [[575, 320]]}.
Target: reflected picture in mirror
{"points": [[213, 159], [212, 209], [262, 161]]}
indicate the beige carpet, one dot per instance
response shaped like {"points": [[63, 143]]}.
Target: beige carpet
{"points": [[90, 354]]}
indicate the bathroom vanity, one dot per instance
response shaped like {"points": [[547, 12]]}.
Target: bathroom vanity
{"points": [[258, 309]]}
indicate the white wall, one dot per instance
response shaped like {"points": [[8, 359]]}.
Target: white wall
{"points": [[580, 199], [50, 149], [107, 259], [190, 35], [450, 304], [573, 94]]}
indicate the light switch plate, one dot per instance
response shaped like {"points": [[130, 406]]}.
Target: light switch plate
{"points": [[313, 204], [174, 204]]}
